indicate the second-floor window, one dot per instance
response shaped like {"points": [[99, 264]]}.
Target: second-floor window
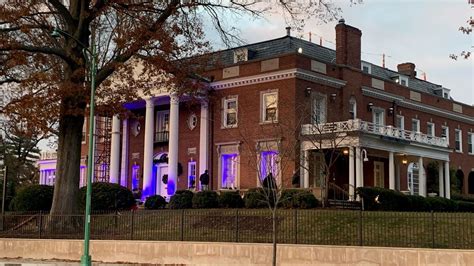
{"points": [[430, 130], [458, 140], [415, 125], [162, 126], [269, 106], [445, 133], [84, 130], [470, 143], [400, 122], [319, 108], [230, 112], [378, 117]]}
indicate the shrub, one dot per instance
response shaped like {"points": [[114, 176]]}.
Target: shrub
{"points": [[108, 196], [155, 202], [255, 198], [205, 199], [465, 206], [441, 204], [298, 198], [417, 203], [182, 199], [383, 199], [231, 200], [33, 198], [460, 197]]}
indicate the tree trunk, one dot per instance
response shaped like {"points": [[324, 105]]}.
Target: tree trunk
{"points": [[274, 253], [66, 186]]}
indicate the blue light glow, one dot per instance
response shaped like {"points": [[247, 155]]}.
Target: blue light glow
{"points": [[229, 170]]}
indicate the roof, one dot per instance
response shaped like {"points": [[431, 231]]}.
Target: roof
{"points": [[288, 44]]}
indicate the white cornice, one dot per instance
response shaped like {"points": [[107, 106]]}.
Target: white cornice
{"points": [[402, 101], [279, 75]]}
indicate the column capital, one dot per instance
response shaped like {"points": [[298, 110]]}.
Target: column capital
{"points": [[204, 103], [174, 97], [149, 102]]}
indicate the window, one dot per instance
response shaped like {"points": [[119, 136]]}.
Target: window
{"points": [[430, 130], [458, 140], [470, 143], [229, 171], [162, 126], [415, 125], [353, 107], [84, 134], [192, 174], [378, 117], [366, 67], [268, 164], [135, 177], [230, 112], [269, 107], [400, 122], [319, 108], [445, 133], [402, 80]]}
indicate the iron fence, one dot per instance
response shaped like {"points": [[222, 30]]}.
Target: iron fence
{"points": [[322, 227]]}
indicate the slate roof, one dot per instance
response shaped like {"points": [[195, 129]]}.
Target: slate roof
{"points": [[288, 44]]}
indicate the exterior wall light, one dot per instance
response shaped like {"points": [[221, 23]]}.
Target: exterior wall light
{"points": [[370, 105]]}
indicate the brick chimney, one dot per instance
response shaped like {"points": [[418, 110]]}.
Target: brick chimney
{"points": [[407, 69], [348, 45]]}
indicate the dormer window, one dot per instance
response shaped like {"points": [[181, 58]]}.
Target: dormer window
{"points": [[366, 67], [402, 80], [446, 93], [242, 55]]}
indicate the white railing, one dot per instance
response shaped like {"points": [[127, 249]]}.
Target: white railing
{"points": [[48, 155], [368, 127]]}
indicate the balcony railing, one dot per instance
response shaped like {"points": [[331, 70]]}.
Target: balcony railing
{"points": [[368, 127], [162, 136]]}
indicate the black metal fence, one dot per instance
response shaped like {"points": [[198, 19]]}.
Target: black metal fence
{"points": [[323, 227]]}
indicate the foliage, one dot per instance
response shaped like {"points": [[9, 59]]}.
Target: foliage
{"points": [[255, 198], [108, 196], [465, 206], [33, 198], [182, 199], [432, 177], [298, 198], [205, 199], [417, 203], [441, 204], [231, 199], [461, 197], [155, 202]]}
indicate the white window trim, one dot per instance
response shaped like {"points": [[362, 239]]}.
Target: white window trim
{"points": [[431, 124], [277, 176], [418, 130], [353, 104], [405, 78], [447, 133], [190, 165], [378, 110], [369, 66], [262, 106], [456, 133], [315, 96], [224, 111], [402, 121], [84, 131], [470, 136]]}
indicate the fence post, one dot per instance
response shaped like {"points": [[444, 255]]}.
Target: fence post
{"points": [[237, 225], [132, 224], [432, 230], [361, 238], [182, 225], [295, 222], [40, 223]]}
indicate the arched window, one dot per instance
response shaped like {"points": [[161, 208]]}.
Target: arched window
{"points": [[470, 181]]}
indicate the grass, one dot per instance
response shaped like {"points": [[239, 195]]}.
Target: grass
{"points": [[325, 227]]}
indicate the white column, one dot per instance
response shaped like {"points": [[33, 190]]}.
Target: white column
{"points": [[441, 179], [148, 187], [397, 176], [204, 138], [124, 163], [351, 173], [447, 181], [391, 170], [359, 169], [173, 144], [304, 173], [421, 178], [115, 151], [41, 181]]}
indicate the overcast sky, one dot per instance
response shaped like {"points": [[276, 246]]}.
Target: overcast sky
{"points": [[423, 32]]}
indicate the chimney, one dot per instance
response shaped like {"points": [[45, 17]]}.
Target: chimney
{"points": [[288, 31], [348, 45], [407, 69]]}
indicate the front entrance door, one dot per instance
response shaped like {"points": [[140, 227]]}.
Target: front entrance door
{"points": [[160, 186], [378, 174]]}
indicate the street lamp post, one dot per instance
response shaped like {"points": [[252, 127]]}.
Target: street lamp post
{"points": [[86, 257]]}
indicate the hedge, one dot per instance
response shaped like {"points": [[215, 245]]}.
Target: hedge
{"points": [[33, 198], [205, 199], [108, 196], [182, 199], [298, 198], [255, 198], [155, 202], [231, 199]]}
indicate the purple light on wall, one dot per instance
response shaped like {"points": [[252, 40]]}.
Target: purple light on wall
{"points": [[135, 171], [268, 164], [228, 170]]}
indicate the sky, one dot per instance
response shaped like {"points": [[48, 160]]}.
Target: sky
{"points": [[424, 32]]}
